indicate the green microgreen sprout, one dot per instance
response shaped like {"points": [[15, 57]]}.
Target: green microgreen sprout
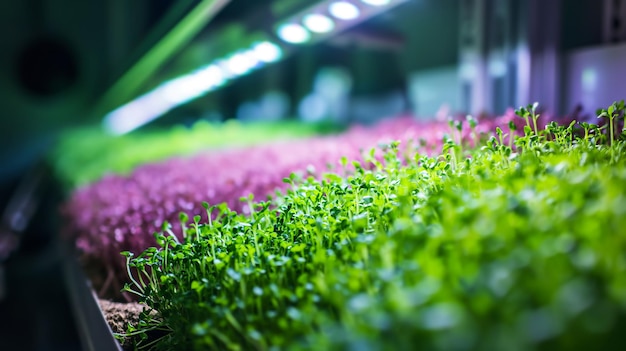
{"points": [[416, 252], [612, 113], [512, 129], [524, 113], [534, 115]]}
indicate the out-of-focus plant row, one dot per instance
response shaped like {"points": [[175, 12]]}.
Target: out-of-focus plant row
{"points": [[121, 212], [86, 155]]}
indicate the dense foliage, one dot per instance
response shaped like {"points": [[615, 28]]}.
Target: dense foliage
{"points": [[122, 212], [85, 155], [519, 246]]}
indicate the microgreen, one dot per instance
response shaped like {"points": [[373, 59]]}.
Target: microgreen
{"points": [[501, 250], [120, 213], [612, 114]]}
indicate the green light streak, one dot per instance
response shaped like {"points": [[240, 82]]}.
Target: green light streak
{"points": [[129, 84]]}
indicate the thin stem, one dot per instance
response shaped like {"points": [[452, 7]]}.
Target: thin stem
{"points": [[535, 118], [167, 244], [197, 227], [130, 275], [612, 128], [134, 292], [171, 233]]}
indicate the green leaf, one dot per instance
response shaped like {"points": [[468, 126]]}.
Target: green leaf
{"points": [[430, 252], [183, 217], [197, 286]]}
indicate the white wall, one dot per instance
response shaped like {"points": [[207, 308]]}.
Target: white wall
{"points": [[594, 77]]}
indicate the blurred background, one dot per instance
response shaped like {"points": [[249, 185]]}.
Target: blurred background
{"points": [[66, 63], [117, 67]]}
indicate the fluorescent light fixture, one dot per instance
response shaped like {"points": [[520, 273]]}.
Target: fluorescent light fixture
{"points": [[318, 23], [344, 10], [188, 87], [136, 113], [377, 2], [180, 90], [163, 99], [213, 75], [320, 19], [267, 52], [293, 33], [222, 64]]}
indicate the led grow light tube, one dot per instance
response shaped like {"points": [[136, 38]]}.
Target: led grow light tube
{"points": [[316, 23], [266, 52], [328, 18], [344, 10], [183, 89], [376, 2], [293, 33]]}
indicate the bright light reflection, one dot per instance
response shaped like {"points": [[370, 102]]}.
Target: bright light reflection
{"points": [[318, 23], [293, 33], [344, 10], [589, 79], [497, 68], [267, 52], [213, 75], [135, 114], [241, 63], [223, 66], [179, 90], [376, 2]]}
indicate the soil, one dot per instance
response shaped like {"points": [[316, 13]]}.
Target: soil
{"points": [[118, 315]]}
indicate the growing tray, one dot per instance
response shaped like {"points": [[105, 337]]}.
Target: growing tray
{"points": [[93, 329]]}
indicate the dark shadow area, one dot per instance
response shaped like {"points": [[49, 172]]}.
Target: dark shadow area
{"points": [[35, 309]]}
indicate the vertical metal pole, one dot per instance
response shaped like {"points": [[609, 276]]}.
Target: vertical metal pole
{"points": [[523, 57], [498, 47], [473, 70], [539, 54]]}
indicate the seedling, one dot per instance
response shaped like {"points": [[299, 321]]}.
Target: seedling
{"points": [[432, 253]]}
